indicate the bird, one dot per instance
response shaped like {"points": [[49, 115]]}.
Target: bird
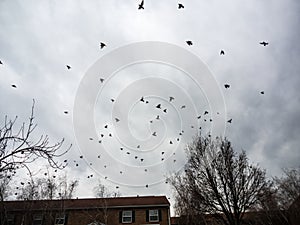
{"points": [[135, 157], [198, 117], [1, 62], [158, 106], [264, 43], [81, 156], [180, 6], [226, 86], [112, 100], [66, 112], [182, 107], [121, 149], [138, 146], [157, 117], [154, 134], [142, 99], [229, 121], [262, 92], [101, 80], [189, 43], [14, 86], [162, 159], [141, 5], [117, 119], [68, 67], [165, 110], [128, 153], [91, 139], [142, 160], [102, 45], [99, 156], [147, 185], [162, 153], [106, 126], [110, 135], [171, 99], [222, 52], [171, 142], [206, 112]]}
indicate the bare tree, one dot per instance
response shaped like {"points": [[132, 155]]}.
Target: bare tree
{"points": [[101, 191], [218, 181], [288, 187], [18, 149], [48, 188]]}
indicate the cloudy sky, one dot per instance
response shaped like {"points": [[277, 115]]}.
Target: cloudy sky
{"points": [[39, 38]]}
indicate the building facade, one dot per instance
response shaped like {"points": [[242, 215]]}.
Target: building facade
{"points": [[154, 210]]}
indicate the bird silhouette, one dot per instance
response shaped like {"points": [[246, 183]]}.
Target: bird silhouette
{"points": [[141, 5], [135, 157], [142, 99], [189, 43], [81, 156], [147, 185], [1, 62], [229, 121], [110, 135], [171, 142], [180, 6], [106, 126], [14, 86], [142, 160], [165, 110], [226, 86], [162, 153], [154, 134], [198, 117], [102, 45], [182, 107], [101, 80], [68, 67], [117, 119], [264, 43], [206, 112], [157, 117], [158, 106], [222, 52], [262, 92], [66, 112], [138, 146], [171, 99], [112, 100]]}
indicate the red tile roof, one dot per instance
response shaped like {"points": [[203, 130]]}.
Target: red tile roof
{"points": [[118, 202]]}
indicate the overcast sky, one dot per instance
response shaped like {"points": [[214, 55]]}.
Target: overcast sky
{"points": [[39, 38]]}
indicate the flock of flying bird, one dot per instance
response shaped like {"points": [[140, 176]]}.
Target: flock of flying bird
{"points": [[142, 99]]}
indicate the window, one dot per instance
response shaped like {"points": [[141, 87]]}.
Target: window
{"points": [[10, 219], [37, 219], [153, 215], [127, 217], [60, 219]]}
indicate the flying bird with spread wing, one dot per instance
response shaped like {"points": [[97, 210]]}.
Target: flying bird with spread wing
{"points": [[222, 52], [226, 86], [102, 45], [189, 43], [68, 67], [141, 5], [264, 43], [180, 6]]}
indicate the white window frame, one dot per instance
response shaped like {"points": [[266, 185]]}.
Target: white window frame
{"points": [[153, 213], [37, 217], [61, 217], [129, 215]]}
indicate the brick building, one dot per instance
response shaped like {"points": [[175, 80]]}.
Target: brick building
{"points": [[97, 211]]}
